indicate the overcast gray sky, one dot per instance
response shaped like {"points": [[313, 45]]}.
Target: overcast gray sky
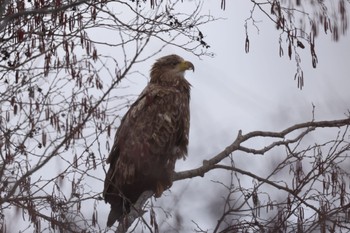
{"points": [[254, 91], [234, 90]]}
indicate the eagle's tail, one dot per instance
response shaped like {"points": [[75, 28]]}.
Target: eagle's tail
{"points": [[114, 215], [118, 211]]}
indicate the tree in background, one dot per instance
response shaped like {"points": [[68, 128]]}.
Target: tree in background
{"points": [[299, 23], [61, 98]]}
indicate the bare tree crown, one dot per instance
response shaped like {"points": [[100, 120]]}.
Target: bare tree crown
{"points": [[62, 96]]}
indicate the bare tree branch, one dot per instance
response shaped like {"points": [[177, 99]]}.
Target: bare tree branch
{"points": [[49, 9], [236, 145], [135, 212]]}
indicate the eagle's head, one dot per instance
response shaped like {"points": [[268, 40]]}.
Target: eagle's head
{"points": [[169, 69]]}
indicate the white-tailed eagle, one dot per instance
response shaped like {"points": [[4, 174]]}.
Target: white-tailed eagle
{"points": [[152, 135]]}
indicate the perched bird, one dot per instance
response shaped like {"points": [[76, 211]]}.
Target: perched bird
{"points": [[152, 135]]}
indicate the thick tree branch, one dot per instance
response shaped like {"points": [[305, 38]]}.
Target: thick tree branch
{"points": [[135, 212], [212, 163], [236, 145]]}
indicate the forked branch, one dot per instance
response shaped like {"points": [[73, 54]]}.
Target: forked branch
{"points": [[306, 128], [213, 163]]}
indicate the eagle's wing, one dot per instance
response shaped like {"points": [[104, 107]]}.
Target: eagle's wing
{"points": [[153, 132]]}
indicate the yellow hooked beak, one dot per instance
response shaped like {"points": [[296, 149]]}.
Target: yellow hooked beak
{"points": [[186, 65]]}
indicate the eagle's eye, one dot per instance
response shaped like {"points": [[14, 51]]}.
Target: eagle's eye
{"points": [[174, 63]]}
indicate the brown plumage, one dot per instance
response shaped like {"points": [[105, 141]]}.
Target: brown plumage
{"points": [[152, 135]]}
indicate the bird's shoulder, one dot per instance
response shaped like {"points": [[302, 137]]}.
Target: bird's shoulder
{"points": [[153, 94], [154, 104]]}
